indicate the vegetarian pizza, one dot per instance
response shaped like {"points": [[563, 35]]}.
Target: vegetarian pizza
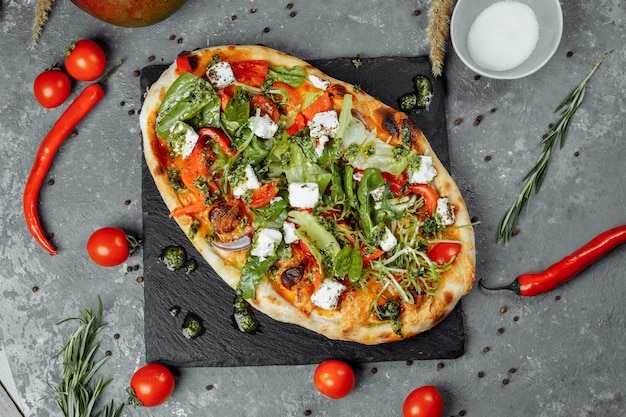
{"points": [[317, 203]]}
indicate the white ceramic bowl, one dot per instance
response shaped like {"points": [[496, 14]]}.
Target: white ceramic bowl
{"points": [[549, 16]]}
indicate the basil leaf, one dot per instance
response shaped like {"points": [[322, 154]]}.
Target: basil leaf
{"points": [[273, 215], [293, 76], [185, 98], [236, 113]]}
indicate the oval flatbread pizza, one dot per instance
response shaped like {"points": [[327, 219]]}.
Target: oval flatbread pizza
{"points": [[317, 203]]}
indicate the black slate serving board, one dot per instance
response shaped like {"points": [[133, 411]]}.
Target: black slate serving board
{"points": [[204, 294]]}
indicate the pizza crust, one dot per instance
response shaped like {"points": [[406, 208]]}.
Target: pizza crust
{"points": [[454, 283]]}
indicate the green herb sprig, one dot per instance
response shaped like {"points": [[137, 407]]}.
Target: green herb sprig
{"points": [[556, 134], [75, 394]]}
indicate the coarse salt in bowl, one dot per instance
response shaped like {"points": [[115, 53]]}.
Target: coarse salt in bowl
{"points": [[506, 39]]}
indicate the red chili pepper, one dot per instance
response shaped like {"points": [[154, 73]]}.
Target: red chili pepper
{"points": [[88, 98], [567, 268]]}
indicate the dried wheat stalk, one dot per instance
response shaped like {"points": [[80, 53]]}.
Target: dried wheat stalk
{"points": [[42, 8], [437, 32]]}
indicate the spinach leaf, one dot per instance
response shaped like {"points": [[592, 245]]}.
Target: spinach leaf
{"points": [[254, 271], [293, 76], [185, 99]]}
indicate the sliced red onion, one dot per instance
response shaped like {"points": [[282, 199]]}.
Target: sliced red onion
{"points": [[240, 244], [359, 116]]}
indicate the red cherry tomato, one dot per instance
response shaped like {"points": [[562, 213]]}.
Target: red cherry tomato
{"points": [[444, 251], [85, 60], [108, 246], [51, 88], [424, 401], [266, 106], [152, 384], [334, 379]]}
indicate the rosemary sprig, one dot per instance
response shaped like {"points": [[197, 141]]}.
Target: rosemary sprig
{"points": [[76, 395], [556, 134]]}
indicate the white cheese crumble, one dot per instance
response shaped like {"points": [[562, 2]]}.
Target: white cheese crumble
{"points": [[182, 139], [318, 82], [324, 124], [425, 173], [263, 126], [267, 240], [445, 210], [220, 75], [388, 240], [303, 194], [377, 193], [289, 230], [320, 144], [251, 182], [327, 295]]}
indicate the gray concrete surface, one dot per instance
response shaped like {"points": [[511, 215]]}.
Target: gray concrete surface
{"points": [[566, 348]]}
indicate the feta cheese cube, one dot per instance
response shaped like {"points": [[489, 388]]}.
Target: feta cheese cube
{"points": [[303, 194], [266, 242], [327, 295], [220, 75], [445, 210], [324, 124], [425, 173], [289, 230], [318, 82], [250, 182], [182, 139], [263, 126], [388, 240]]}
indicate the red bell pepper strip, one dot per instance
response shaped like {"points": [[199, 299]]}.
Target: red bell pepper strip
{"points": [[196, 207], [220, 138], [374, 255], [321, 104], [429, 195], [264, 194], [182, 63], [397, 182], [76, 111], [529, 285], [297, 125], [251, 72], [292, 94], [225, 95]]}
